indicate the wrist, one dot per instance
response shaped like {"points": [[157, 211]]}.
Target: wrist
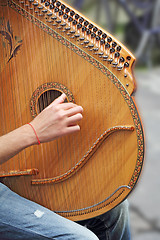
{"points": [[28, 135], [34, 132]]}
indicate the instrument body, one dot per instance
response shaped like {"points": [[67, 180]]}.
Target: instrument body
{"points": [[88, 173]]}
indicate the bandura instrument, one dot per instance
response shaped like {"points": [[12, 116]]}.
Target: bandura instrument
{"points": [[48, 48]]}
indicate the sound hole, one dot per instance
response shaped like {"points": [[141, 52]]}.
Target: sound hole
{"points": [[46, 98]]}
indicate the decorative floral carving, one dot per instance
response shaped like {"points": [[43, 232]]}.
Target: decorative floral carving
{"points": [[14, 41]]}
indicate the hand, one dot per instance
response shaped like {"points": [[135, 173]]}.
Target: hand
{"points": [[56, 120]]}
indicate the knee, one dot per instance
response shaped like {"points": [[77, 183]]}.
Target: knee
{"points": [[86, 234], [122, 221], [118, 216], [123, 210], [121, 213], [117, 222]]}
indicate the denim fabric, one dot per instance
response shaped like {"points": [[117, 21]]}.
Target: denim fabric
{"points": [[26, 220], [113, 225]]}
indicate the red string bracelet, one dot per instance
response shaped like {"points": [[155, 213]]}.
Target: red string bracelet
{"points": [[35, 132]]}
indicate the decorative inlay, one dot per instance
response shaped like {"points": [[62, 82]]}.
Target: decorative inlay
{"points": [[85, 158], [45, 87], [97, 205], [8, 37], [16, 173]]}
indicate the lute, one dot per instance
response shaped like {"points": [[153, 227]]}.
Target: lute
{"points": [[48, 48]]}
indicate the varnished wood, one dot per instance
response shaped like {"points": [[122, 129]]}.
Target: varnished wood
{"points": [[42, 53]]}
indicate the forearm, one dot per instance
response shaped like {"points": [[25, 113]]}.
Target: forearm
{"points": [[57, 120], [15, 141]]}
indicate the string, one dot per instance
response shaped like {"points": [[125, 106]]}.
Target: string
{"points": [[25, 82], [30, 40], [64, 147], [43, 65], [50, 159], [54, 67], [11, 110], [3, 122], [74, 81], [67, 77], [90, 120]]}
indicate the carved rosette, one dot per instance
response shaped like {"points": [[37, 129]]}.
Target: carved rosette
{"points": [[47, 87]]}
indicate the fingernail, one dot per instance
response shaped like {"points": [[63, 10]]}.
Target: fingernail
{"points": [[63, 96], [81, 108]]}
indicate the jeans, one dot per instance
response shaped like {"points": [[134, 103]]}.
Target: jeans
{"points": [[24, 219], [113, 225]]}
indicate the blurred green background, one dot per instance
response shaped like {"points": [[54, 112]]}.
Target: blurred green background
{"points": [[136, 23]]}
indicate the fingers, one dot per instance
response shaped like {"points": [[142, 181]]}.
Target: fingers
{"points": [[74, 119], [58, 100], [70, 113], [69, 107], [74, 110], [72, 129], [66, 106]]}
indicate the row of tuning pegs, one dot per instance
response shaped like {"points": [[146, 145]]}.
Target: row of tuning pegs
{"points": [[75, 26]]}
